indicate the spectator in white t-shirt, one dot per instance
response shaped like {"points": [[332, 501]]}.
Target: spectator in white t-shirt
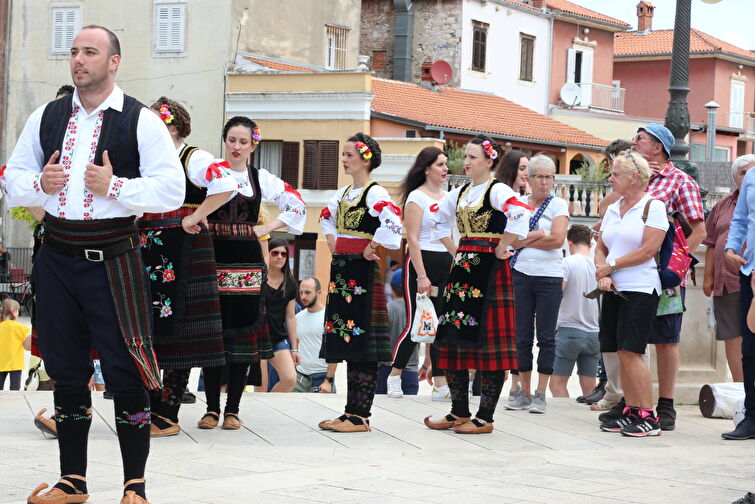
{"points": [[537, 275], [626, 270], [577, 333], [313, 374]]}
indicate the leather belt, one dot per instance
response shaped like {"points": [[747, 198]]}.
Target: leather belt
{"points": [[91, 253]]}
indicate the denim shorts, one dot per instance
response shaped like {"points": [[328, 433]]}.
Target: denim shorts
{"points": [[576, 346], [282, 345], [98, 378]]}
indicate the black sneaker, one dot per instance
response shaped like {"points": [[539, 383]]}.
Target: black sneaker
{"points": [[618, 424], [614, 413], [188, 398], [666, 414], [747, 499], [642, 427], [590, 398]]}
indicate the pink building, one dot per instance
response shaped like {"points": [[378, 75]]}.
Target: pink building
{"points": [[718, 71]]}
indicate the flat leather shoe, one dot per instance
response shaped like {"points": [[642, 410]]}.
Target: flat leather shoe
{"points": [[171, 430], [46, 425], [745, 430], [209, 420], [231, 421], [475, 426], [55, 496], [447, 422]]}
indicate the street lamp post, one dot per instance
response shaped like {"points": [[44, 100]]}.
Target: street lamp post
{"points": [[677, 114]]}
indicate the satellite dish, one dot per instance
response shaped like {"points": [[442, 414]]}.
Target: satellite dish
{"points": [[571, 94], [441, 72]]}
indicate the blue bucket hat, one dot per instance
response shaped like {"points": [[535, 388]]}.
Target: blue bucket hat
{"points": [[397, 279], [662, 134]]}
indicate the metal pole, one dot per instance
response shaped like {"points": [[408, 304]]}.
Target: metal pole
{"points": [[677, 115], [710, 143]]}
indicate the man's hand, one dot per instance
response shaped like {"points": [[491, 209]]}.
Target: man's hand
{"points": [[53, 177], [326, 387], [655, 168], [606, 283], [708, 286], [97, 178], [603, 271], [734, 261]]}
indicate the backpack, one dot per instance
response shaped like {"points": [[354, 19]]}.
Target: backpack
{"points": [[673, 258]]}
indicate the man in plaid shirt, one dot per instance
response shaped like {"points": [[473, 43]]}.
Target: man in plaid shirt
{"points": [[680, 193]]}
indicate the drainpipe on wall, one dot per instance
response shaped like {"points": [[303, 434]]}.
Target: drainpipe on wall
{"points": [[710, 143], [403, 40], [551, 18]]}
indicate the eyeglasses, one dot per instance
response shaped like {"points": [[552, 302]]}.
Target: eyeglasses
{"points": [[639, 137], [546, 178], [281, 253]]}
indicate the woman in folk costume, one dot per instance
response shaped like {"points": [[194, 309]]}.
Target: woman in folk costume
{"points": [[427, 263], [360, 218], [241, 270], [178, 254], [476, 322]]}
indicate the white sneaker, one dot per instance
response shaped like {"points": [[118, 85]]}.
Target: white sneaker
{"points": [[442, 394], [394, 386]]}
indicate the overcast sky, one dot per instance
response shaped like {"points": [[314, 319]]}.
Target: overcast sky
{"points": [[729, 20]]}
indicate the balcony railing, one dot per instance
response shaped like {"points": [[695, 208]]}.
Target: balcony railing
{"points": [[602, 97]]}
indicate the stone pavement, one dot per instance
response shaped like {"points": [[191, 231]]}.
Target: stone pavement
{"points": [[281, 457]]}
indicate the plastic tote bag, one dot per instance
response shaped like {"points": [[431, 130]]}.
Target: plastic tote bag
{"points": [[425, 323]]}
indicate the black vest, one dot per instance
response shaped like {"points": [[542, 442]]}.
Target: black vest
{"points": [[355, 218], [483, 221], [195, 195], [118, 135], [241, 209]]}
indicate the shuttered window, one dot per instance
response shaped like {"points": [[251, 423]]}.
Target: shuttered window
{"points": [[527, 50], [66, 22], [320, 164], [479, 45], [279, 158], [170, 20]]}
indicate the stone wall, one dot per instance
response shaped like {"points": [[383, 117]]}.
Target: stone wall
{"points": [[376, 38], [437, 35]]}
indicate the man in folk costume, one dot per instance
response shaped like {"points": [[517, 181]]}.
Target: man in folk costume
{"points": [[95, 161]]}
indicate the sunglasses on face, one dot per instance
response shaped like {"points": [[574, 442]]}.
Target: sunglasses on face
{"points": [[279, 253]]}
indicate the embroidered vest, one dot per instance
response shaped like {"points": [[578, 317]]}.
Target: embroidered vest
{"points": [[195, 195], [354, 218], [241, 209], [481, 221], [118, 135]]}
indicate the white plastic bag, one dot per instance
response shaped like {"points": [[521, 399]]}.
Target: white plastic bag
{"points": [[425, 323]]}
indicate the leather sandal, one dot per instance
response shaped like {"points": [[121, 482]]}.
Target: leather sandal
{"points": [[171, 430], [46, 425], [447, 422], [131, 497], [475, 426], [328, 424], [56, 495], [348, 425], [231, 421], [209, 420]]}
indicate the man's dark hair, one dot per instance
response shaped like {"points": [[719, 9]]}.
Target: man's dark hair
{"points": [[612, 150], [394, 263], [318, 286], [579, 234], [65, 90], [115, 44]]}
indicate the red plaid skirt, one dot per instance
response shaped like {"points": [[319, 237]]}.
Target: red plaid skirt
{"points": [[498, 351]]}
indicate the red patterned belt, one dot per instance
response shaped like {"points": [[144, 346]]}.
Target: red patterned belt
{"points": [[181, 212], [351, 245], [478, 245]]}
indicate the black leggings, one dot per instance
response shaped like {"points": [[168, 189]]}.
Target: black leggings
{"points": [[438, 266], [491, 384], [361, 382], [237, 374]]}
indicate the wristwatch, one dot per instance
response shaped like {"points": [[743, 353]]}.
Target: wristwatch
{"points": [[612, 264], [329, 379]]}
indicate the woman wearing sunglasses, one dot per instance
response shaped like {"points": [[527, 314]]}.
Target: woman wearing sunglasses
{"points": [[632, 232], [280, 304]]}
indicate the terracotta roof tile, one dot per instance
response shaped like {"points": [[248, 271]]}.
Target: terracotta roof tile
{"points": [[660, 42], [277, 65], [578, 10], [469, 111]]}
